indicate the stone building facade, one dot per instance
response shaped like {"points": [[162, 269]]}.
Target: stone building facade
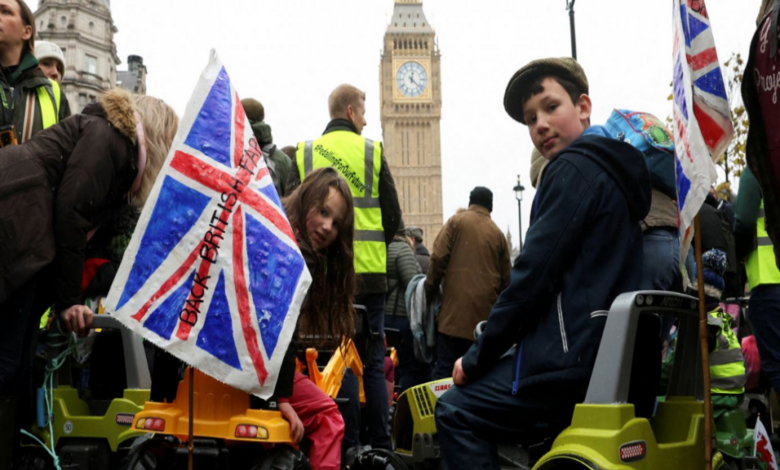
{"points": [[84, 30], [411, 97]]}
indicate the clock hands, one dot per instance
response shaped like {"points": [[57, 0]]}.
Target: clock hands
{"points": [[412, 81]]}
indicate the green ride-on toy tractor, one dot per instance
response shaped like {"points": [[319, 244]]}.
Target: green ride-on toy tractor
{"points": [[605, 432], [90, 433]]}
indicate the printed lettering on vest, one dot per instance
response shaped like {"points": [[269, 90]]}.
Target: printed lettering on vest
{"points": [[348, 173]]}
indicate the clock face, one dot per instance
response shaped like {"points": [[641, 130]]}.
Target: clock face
{"points": [[412, 79]]}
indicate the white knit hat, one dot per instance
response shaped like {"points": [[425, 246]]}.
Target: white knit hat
{"points": [[49, 50]]}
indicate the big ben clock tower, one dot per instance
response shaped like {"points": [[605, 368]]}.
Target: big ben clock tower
{"points": [[410, 80]]}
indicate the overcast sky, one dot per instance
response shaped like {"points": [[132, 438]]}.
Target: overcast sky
{"points": [[290, 54]]}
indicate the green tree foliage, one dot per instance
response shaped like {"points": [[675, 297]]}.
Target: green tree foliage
{"points": [[732, 162]]}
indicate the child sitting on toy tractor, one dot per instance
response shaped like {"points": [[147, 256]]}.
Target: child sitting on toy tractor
{"points": [[583, 249]]}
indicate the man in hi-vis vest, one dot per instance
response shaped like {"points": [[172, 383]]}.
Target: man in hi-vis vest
{"points": [[377, 216], [756, 249]]}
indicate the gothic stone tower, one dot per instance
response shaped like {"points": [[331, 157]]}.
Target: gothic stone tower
{"points": [[410, 79], [85, 32]]}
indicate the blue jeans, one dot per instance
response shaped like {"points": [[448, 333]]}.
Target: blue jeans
{"points": [[350, 411], [661, 266], [472, 418], [764, 314], [661, 262], [377, 401], [448, 350], [411, 372]]}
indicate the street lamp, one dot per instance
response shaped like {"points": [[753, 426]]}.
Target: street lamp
{"points": [[519, 196], [570, 7]]}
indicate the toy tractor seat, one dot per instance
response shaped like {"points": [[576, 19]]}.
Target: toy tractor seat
{"points": [[125, 353], [605, 432]]}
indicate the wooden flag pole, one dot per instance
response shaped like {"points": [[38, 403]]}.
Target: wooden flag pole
{"points": [[191, 443], [705, 353]]}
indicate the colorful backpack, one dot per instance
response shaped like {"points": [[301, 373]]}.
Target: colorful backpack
{"points": [[648, 134]]}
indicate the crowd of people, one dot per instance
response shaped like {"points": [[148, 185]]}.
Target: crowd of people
{"points": [[72, 187]]}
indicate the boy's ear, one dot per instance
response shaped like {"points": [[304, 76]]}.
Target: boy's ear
{"points": [[585, 107]]}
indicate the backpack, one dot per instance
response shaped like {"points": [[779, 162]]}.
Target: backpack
{"points": [[649, 135]]}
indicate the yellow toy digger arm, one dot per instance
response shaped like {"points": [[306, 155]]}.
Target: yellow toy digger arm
{"points": [[329, 380]]}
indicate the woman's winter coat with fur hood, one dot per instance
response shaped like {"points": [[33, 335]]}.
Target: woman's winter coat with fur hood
{"points": [[58, 187]]}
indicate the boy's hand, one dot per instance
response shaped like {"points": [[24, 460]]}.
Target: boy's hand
{"points": [[296, 426], [78, 319], [458, 376]]}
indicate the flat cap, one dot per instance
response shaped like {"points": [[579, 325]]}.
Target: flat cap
{"points": [[416, 232], [563, 67]]}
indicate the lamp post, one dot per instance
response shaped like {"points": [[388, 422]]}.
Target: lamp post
{"points": [[519, 196], [570, 7]]}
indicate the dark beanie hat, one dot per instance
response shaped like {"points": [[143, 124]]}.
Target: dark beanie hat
{"points": [[483, 197], [253, 109]]}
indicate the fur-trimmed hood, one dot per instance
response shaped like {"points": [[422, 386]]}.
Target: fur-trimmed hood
{"points": [[118, 107]]}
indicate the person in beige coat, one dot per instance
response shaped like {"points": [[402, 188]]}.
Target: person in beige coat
{"points": [[470, 260]]}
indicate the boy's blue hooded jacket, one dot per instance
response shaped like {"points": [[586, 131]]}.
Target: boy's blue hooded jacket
{"points": [[583, 249]]}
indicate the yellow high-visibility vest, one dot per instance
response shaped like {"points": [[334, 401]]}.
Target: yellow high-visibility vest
{"points": [[727, 366], [760, 265], [359, 161], [49, 99]]}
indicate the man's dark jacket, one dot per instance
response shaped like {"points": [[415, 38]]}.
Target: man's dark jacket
{"points": [[423, 256], [583, 249], [388, 203]]}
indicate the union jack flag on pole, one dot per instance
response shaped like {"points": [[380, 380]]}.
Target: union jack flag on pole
{"points": [[213, 273], [702, 124]]}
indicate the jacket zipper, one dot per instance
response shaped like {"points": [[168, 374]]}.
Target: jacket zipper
{"points": [[563, 326], [516, 382]]}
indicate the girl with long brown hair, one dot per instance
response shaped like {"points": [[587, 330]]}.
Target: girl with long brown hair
{"points": [[322, 216]]}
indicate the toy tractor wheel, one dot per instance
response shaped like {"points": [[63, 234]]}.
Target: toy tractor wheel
{"points": [[149, 454], [283, 458]]}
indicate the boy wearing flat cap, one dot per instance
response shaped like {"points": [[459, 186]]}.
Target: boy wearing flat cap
{"points": [[583, 249]]}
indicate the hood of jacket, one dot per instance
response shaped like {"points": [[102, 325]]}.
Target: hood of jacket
{"points": [[118, 107], [27, 69], [262, 132], [624, 163]]}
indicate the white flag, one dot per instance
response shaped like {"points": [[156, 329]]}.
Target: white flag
{"points": [[762, 448]]}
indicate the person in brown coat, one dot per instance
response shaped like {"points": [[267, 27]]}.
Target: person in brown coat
{"points": [[55, 191], [471, 260]]}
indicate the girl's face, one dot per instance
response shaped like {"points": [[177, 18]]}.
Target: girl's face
{"points": [[323, 222]]}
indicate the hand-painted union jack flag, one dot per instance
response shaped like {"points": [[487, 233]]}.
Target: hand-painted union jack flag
{"points": [[213, 273], [702, 124]]}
